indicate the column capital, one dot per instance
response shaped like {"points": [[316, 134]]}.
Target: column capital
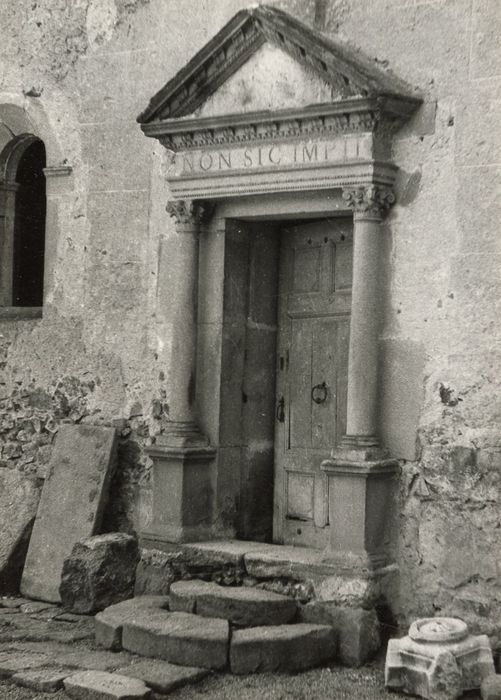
{"points": [[369, 202], [190, 212]]}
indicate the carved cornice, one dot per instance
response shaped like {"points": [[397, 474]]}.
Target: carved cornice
{"points": [[347, 71], [381, 116], [188, 212], [369, 202]]}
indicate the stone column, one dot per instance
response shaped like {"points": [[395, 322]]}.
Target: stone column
{"points": [[182, 456], [369, 205], [361, 476]]}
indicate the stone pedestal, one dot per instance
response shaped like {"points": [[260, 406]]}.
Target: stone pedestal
{"points": [[361, 511], [438, 659], [182, 489], [182, 456]]}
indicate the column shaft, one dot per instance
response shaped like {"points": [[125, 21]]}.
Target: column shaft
{"points": [[368, 204], [364, 329]]}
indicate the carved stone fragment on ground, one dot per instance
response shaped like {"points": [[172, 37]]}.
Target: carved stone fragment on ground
{"points": [[71, 505], [438, 659]]}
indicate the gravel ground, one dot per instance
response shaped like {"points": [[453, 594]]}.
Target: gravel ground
{"points": [[335, 683]]}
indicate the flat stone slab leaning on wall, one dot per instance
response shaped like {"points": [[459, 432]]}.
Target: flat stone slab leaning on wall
{"points": [[19, 497], [71, 505]]}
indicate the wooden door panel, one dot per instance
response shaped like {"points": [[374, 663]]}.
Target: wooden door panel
{"points": [[314, 305], [300, 367]]}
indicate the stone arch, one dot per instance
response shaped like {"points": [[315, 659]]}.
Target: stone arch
{"points": [[20, 116], [23, 124]]}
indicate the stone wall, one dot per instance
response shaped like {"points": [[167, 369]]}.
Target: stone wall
{"points": [[81, 72]]}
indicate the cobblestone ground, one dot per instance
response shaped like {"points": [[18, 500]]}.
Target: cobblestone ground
{"points": [[50, 637]]}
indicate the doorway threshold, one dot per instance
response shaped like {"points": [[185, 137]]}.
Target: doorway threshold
{"points": [[255, 559]]}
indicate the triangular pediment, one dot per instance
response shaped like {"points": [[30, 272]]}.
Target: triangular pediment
{"points": [[309, 69], [270, 80]]}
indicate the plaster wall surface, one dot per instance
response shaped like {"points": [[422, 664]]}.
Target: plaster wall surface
{"points": [[80, 73]]}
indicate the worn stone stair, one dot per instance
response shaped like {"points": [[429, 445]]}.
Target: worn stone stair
{"points": [[246, 607], [245, 630]]}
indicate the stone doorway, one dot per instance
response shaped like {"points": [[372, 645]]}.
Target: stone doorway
{"points": [[269, 483]]}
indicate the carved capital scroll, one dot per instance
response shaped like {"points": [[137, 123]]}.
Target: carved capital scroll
{"points": [[369, 201], [190, 212]]}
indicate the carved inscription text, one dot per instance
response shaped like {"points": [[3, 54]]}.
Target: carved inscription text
{"points": [[269, 155]]}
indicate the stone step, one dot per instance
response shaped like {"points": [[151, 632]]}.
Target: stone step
{"points": [[145, 627], [178, 637], [108, 624], [283, 648], [246, 607]]}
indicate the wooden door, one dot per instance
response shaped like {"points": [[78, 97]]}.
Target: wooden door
{"points": [[312, 361]]}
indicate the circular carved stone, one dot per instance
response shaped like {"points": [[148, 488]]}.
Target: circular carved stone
{"points": [[438, 629]]}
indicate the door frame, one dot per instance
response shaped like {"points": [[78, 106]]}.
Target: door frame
{"points": [[216, 382]]}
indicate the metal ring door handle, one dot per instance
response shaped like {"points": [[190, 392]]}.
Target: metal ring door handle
{"points": [[319, 393]]}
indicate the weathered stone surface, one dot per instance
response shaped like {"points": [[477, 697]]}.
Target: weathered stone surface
{"points": [[33, 607], [46, 680], [100, 571], [282, 648], [301, 563], [29, 628], [439, 660], [99, 685], [491, 688], [71, 505], [19, 497], [181, 638], [11, 663], [60, 655], [108, 624], [162, 676], [241, 606], [13, 602], [357, 630]]}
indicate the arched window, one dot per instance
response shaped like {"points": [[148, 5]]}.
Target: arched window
{"points": [[22, 222]]}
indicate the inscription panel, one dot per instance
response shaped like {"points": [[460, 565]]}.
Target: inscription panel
{"points": [[270, 155]]}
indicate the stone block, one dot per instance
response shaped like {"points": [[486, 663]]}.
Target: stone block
{"points": [[100, 571], [71, 505], [19, 497], [491, 688], [281, 648], [45, 680], [246, 607], [438, 659], [162, 676], [108, 624], [181, 638], [99, 685], [357, 630]]}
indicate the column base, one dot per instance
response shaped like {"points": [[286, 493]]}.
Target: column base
{"points": [[182, 486], [362, 505], [359, 448]]}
